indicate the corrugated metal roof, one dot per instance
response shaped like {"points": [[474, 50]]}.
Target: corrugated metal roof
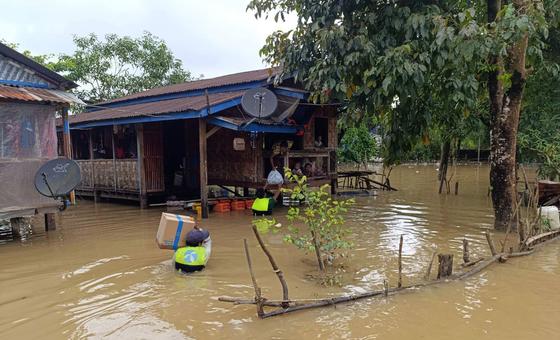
{"points": [[37, 95], [50, 75], [11, 70], [156, 108], [230, 79]]}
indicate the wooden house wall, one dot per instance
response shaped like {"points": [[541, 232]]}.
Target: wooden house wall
{"points": [[153, 157], [328, 112], [192, 178], [27, 141], [228, 165]]}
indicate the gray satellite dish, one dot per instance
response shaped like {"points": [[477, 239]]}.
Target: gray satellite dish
{"points": [[259, 102], [57, 178]]}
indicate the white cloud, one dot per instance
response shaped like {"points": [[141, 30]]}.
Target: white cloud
{"points": [[211, 37]]}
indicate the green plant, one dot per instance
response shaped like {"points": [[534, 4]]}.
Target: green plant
{"points": [[325, 232], [358, 145]]}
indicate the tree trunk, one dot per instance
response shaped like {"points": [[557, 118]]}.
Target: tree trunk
{"points": [[443, 164], [505, 109], [318, 254]]}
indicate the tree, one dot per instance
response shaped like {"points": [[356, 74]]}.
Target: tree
{"points": [[357, 145], [118, 66], [415, 63], [325, 231]]}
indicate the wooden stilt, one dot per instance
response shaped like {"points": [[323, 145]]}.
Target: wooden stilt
{"points": [[50, 222], [203, 166]]}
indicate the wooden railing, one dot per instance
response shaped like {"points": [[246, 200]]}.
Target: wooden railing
{"points": [[110, 175]]}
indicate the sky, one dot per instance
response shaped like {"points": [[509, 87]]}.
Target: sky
{"points": [[211, 37]]}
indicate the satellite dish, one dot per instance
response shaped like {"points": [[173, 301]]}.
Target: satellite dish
{"points": [[57, 178], [259, 102]]}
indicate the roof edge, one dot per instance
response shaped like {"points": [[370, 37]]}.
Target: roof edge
{"points": [[56, 78]]}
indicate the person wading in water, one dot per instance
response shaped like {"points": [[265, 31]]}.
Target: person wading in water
{"points": [[195, 255]]}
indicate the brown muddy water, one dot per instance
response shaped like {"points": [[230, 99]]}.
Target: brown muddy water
{"points": [[100, 275]]}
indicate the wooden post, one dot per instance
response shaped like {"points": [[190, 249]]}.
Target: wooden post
{"points": [[456, 188], [429, 270], [140, 165], [490, 243], [258, 297], [277, 270], [67, 143], [399, 284], [90, 146], [50, 222], [466, 253], [445, 267], [114, 159], [202, 150]]}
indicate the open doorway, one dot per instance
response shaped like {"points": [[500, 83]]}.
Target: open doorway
{"points": [[321, 132]]}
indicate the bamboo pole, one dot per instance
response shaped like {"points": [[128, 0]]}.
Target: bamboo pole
{"points": [[399, 284], [258, 297], [277, 270], [429, 270], [490, 243]]}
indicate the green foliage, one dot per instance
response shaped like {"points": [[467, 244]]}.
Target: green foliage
{"points": [[321, 216], [357, 145], [539, 128], [116, 66], [264, 225], [418, 65]]}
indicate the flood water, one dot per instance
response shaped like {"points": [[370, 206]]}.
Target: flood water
{"points": [[100, 275]]}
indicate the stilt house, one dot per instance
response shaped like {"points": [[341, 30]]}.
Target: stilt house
{"points": [[177, 140], [30, 96]]}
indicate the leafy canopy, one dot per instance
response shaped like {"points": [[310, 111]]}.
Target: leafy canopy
{"points": [[116, 65], [414, 63]]}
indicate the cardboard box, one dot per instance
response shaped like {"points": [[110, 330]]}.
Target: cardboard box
{"points": [[172, 231]]}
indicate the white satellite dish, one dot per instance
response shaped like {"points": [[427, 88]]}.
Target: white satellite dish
{"points": [[259, 102]]}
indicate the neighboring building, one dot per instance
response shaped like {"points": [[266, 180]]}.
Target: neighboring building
{"points": [[30, 96], [176, 140]]}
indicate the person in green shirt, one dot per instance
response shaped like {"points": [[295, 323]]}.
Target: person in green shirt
{"points": [[195, 255], [262, 205]]}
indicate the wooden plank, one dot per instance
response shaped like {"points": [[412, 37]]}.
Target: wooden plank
{"points": [[213, 131], [202, 149], [140, 167]]}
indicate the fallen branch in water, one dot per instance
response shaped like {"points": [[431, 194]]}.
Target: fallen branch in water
{"points": [[293, 305]]}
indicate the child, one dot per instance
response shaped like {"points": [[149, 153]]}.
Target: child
{"points": [[195, 255], [297, 169], [308, 170]]}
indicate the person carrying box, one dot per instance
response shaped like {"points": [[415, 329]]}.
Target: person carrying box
{"points": [[194, 256]]}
